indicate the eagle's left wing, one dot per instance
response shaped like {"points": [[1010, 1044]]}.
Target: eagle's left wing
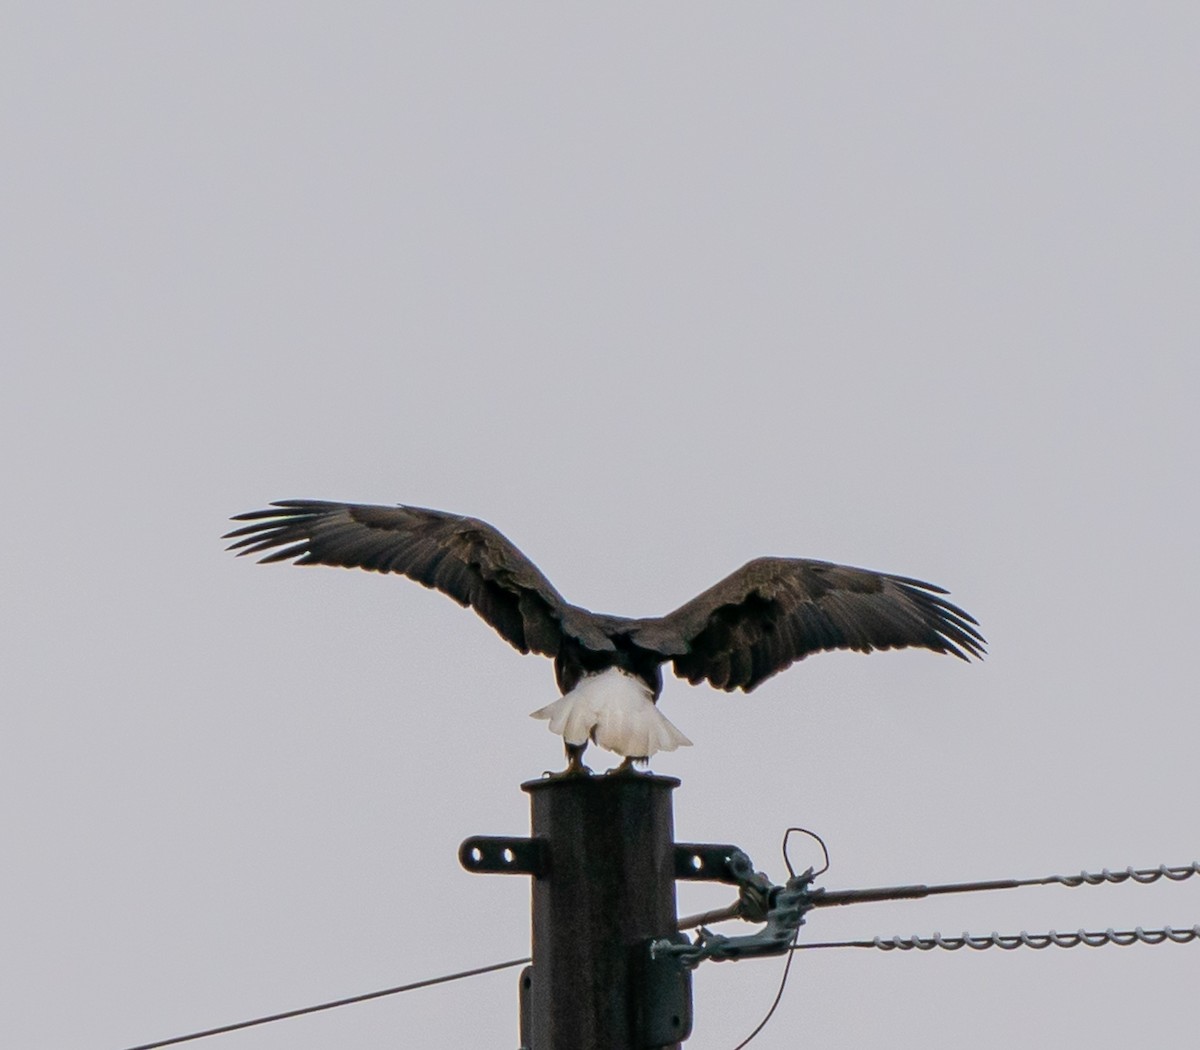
{"points": [[775, 611]]}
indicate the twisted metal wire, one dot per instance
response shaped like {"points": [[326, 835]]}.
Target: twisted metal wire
{"points": [[1144, 876], [1009, 942]]}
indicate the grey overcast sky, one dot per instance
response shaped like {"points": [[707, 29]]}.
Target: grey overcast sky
{"points": [[654, 289]]}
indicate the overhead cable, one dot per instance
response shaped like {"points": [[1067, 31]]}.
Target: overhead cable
{"points": [[1143, 876], [1009, 942], [330, 1005]]}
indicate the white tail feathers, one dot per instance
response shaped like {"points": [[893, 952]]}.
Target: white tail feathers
{"points": [[617, 711]]}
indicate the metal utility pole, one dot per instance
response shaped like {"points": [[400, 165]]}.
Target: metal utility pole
{"points": [[603, 858]]}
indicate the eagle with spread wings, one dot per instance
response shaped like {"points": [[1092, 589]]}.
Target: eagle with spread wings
{"points": [[749, 626]]}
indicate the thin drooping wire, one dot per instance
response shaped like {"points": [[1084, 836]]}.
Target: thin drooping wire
{"points": [[1009, 942], [778, 995], [330, 1005]]}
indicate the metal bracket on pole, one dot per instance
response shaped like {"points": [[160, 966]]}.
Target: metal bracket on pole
{"points": [[696, 862], [785, 915], [662, 1006], [782, 908], [664, 1002], [501, 855]]}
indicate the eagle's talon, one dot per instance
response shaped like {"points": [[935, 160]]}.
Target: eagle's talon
{"points": [[570, 771], [626, 767]]}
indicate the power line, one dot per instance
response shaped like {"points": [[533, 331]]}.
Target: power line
{"points": [[1009, 942], [330, 1005], [788, 904], [821, 898], [1142, 876]]}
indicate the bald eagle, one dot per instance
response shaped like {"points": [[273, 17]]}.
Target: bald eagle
{"points": [[749, 626]]}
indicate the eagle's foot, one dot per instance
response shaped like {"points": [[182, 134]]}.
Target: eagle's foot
{"points": [[627, 766], [570, 771], [575, 766]]}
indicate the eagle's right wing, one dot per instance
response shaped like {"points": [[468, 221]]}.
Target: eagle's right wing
{"points": [[462, 557]]}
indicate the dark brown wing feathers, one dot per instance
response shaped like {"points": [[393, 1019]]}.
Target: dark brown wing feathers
{"points": [[464, 558], [775, 611], [749, 626]]}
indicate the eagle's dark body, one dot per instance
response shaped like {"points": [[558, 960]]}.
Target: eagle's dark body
{"points": [[575, 660], [752, 624]]}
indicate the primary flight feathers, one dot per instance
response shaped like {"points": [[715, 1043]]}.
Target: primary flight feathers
{"points": [[752, 624]]}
